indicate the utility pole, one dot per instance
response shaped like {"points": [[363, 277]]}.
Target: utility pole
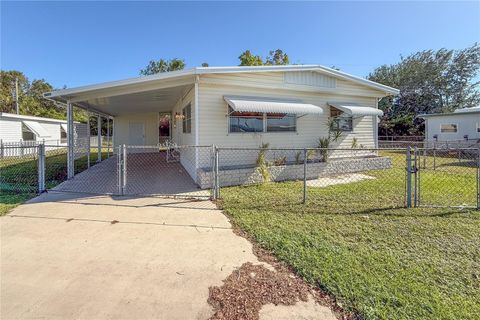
{"points": [[16, 96]]}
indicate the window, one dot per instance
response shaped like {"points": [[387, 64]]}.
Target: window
{"points": [[261, 122], [63, 135], [245, 121], [27, 134], [341, 120], [187, 119], [448, 128], [281, 122], [478, 126]]}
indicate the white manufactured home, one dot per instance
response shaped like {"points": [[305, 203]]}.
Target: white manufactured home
{"points": [[285, 106], [462, 125], [21, 130]]}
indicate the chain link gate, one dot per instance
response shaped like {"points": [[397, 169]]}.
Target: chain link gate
{"points": [[170, 171], [443, 177]]}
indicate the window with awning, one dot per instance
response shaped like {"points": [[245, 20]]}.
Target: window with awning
{"points": [[266, 115], [37, 129], [271, 105], [356, 110]]}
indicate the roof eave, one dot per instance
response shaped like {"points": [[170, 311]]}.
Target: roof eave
{"points": [[63, 94]]}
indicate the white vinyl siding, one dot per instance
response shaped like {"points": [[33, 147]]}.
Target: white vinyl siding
{"points": [[310, 78], [10, 130], [467, 124], [149, 120], [276, 80], [178, 136], [309, 128]]}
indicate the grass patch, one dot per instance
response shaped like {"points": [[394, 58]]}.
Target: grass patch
{"points": [[356, 241], [9, 200], [20, 174]]}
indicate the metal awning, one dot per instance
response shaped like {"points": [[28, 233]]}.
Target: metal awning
{"points": [[356, 110], [271, 105], [37, 129]]}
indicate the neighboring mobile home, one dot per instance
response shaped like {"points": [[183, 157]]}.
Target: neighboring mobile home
{"points": [[462, 125], [286, 106], [21, 130]]}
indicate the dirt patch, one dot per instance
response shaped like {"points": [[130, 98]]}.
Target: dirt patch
{"points": [[252, 287]]}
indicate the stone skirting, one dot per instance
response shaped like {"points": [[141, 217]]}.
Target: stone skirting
{"points": [[245, 176]]}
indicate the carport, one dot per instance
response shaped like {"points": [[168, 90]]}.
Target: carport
{"points": [[132, 107]]}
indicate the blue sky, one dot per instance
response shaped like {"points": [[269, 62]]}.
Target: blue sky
{"points": [[73, 43]]}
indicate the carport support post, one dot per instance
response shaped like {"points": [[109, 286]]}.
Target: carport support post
{"points": [[99, 138], [41, 168], [88, 139], [70, 142], [108, 137]]}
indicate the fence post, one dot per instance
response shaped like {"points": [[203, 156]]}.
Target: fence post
{"points": [[304, 175], [124, 170], [478, 178], [120, 169], [416, 164], [41, 167], [21, 148], [1, 149], [216, 177], [409, 177]]}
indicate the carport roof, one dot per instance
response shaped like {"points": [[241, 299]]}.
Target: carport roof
{"points": [[171, 85]]}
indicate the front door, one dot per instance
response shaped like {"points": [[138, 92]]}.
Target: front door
{"points": [[136, 133]]}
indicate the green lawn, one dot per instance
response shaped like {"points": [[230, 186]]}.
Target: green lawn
{"points": [[9, 200], [356, 241], [20, 174]]}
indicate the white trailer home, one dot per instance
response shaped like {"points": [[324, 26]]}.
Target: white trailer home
{"points": [[286, 106], [461, 126], [24, 131]]}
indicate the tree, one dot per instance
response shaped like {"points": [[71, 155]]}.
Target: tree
{"points": [[7, 90], [162, 65], [205, 64], [249, 59], [31, 100], [277, 57], [429, 82]]}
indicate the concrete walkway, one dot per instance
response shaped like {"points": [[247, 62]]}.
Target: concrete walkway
{"points": [[67, 256]]}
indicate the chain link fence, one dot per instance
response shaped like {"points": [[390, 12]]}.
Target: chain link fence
{"points": [[350, 180], [446, 177], [341, 180]]}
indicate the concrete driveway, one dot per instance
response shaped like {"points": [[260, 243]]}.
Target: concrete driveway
{"points": [[67, 256]]}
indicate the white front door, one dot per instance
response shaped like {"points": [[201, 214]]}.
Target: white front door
{"points": [[136, 133]]}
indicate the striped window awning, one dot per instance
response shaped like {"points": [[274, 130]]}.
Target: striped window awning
{"points": [[37, 129], [271, 105], [356, 110]]}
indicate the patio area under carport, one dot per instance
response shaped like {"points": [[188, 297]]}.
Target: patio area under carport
{"points": [[125, 104], [146, 173]]}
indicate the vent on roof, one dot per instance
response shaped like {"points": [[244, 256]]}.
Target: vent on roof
{"points": [[309, 78]]}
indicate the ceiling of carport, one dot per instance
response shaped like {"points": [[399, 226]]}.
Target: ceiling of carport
{"points": [[160, 100]]}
